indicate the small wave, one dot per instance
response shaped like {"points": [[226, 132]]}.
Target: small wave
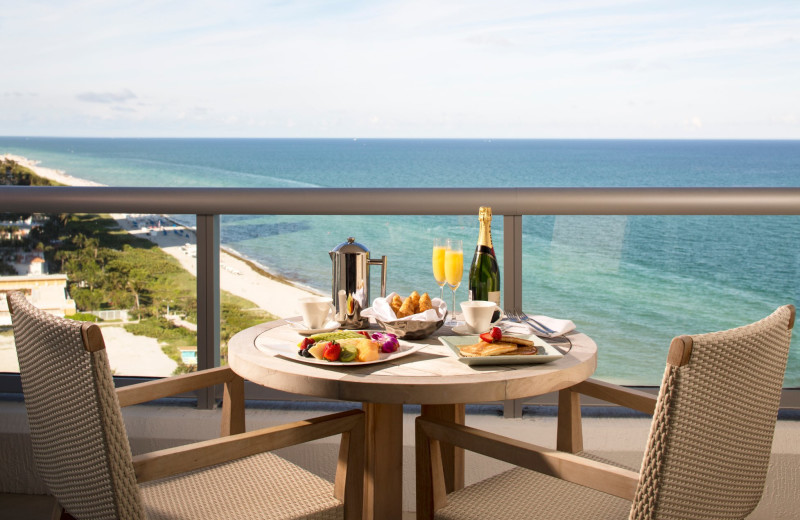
{"points": [[241, 174]]}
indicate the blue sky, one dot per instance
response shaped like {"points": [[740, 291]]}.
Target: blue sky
{"points": [[502, 69]]}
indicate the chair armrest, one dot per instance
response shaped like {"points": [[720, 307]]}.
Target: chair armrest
{"points": [[159, 388], [569, 434], [566, 466], [180, 459], [627, 397]]}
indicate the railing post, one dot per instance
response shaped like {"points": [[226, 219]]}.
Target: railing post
{"points": [[512, 262], [512, 284], [208, 304]]}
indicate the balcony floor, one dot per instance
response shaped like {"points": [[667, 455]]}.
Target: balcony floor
{"points": [[610, 432]]}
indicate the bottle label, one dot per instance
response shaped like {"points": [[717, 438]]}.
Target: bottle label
{"points": [[494, 297]]}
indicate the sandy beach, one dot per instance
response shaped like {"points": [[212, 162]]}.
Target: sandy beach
{"points": [[271, 294], [236, 276]]}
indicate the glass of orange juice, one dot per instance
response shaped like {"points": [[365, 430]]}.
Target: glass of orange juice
{"points": [[439, 246], [453, 268]]}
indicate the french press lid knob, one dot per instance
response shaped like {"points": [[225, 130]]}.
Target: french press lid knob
{"points": [[351, 246]]}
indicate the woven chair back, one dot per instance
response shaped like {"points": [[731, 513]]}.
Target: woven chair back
{"points": [[712, 430], [80, 446]]}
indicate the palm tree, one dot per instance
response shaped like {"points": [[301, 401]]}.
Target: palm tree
{"points": [[137, 282]]}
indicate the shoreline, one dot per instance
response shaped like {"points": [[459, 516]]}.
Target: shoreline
{"points": [[239, 275]]}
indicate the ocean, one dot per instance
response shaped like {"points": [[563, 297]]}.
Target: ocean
{"points": [[630, 282]]}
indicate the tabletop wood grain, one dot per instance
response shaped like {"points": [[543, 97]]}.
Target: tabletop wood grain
{"points": [[430, 376]]}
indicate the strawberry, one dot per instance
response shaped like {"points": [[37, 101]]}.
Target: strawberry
{"points": [[493, 335], [332, 351]]}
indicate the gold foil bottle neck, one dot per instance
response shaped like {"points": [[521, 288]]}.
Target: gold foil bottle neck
{"points": [[485, 233]]}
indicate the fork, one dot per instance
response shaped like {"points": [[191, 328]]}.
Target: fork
{"points": [[520, 317], [531, 321]]}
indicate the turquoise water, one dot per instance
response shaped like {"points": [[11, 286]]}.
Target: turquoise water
{"points": [[632, 283]]}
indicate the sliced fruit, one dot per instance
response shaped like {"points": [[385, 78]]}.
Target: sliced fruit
{"points": [[497, 334], [307, 342], [367, 350], [349, 353], [339, 334], [493, 335], [316, 349], [331, 351]]}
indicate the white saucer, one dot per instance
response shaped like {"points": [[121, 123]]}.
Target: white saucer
{"points": [[301, 328], [463, 330]]}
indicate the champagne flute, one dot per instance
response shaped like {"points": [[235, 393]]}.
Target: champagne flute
{"points": [[439, 246], [453, 269]]}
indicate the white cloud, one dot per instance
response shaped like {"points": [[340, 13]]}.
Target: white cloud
{"points": [[107, 97], [483, 68]]}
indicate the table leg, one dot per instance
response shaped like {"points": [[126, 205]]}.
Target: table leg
{"points": [[452, 457], [383, 477]]}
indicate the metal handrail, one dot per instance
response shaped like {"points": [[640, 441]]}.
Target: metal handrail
{"points": [[403, 201], [512, 203]]}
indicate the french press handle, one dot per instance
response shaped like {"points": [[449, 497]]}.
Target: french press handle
{"points": [[382, 263]]}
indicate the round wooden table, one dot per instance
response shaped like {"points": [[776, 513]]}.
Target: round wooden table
{"points": [[432, 377]]}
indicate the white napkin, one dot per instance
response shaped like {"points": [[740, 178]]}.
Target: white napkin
{"points": [[383, 311], [560, 327]]}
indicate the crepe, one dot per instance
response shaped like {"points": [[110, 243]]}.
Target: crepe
{"points": [[522, 350], [519, 341], [482, 348]]}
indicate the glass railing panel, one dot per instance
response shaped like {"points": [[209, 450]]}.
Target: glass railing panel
{"points": [[632, 283], [132, 274], [295, 248]]}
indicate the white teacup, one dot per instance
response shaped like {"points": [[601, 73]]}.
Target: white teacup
{"points": [[316, 311], [478, 315]]}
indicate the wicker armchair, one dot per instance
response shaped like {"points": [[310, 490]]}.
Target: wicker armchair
{"points": [[82, 453], [707, 453]]}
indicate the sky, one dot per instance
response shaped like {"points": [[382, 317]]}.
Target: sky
{"points": [[676, 69]]}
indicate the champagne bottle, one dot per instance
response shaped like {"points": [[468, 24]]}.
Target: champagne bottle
{"points": [[484, 275]]}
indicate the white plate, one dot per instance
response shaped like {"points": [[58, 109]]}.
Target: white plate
{"points": [[546, 352], [301, 328], [288, 350]]}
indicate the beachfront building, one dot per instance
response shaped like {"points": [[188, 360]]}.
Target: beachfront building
{"points": [[17, 229], [28, 263], [46, 291]]}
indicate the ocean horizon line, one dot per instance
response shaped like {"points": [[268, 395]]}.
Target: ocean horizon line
{"points": [[412, 138]]}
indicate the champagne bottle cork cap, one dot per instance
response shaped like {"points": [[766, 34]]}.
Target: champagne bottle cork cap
{"points": [[485, 211]]}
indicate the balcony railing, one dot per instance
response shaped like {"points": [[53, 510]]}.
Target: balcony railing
{"points": [[512, 203]]}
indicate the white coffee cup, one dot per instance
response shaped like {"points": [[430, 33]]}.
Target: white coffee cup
{"points": [[316, 311], [478, 315]]}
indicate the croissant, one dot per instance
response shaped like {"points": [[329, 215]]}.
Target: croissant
{"points": [[425, 303], [396, 303], [407, 309], [415, 300]]}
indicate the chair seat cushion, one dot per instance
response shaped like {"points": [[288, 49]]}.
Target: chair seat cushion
{"points": [[262, 486], [523, 494]]}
